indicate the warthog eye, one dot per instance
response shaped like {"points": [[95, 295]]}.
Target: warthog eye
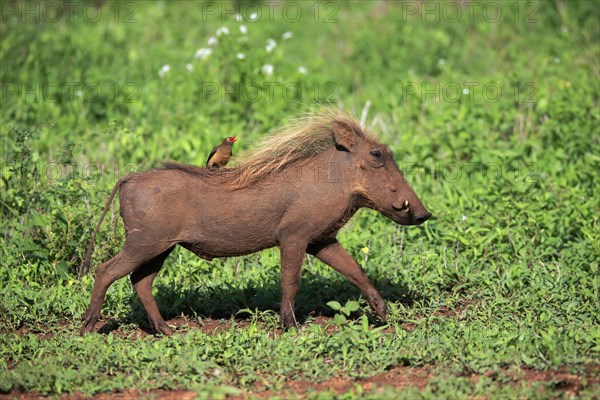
{"points": [[376, 154]]}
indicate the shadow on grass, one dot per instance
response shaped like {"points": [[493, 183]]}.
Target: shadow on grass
{"points": [[226, 302]]}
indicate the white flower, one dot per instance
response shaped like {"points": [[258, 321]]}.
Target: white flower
{"points": [[271, 44], [302, 70], [465, 91], [240, 56], [189, 67], [464, 217], [212, 41], [287, 35], [203, 53], [222, 31], [237, 18], [441, 61], [163, 70], [253, 16], [267, 69], [243, 29], [79, 93]]}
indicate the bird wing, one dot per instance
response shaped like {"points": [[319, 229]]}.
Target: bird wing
{"points": [[212, 153]]}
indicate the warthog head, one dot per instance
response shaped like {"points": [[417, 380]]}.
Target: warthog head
{"points": [[377, 177]]}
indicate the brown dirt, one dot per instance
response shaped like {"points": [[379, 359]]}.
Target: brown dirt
{"points": [[208, 325], [418, 377], [398, 378], [127, 395], [180, 325]]}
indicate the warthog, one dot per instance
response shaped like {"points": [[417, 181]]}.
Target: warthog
{"points": [[295, 191]]}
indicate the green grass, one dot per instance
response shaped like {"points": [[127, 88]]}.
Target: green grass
{"points": [[505, 278]]}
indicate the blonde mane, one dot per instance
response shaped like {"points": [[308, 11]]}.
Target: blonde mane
{"points": [[303, 138]]}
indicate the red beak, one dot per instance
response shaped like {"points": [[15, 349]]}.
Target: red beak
{"points": [[232, 139]]}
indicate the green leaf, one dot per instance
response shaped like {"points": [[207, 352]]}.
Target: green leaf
{"points": [[339, 319], [352, 306]]}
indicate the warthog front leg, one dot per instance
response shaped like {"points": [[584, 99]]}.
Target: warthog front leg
{"points": [[334, 255], [291, 272]]}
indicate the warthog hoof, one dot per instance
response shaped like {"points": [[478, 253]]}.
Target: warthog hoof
{"points": [[162, 327], [85, 329], [378, 305], [89, 322], [288, 320]]}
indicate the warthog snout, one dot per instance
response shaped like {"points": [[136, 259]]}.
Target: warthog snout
{"points": [[421, 217], [417, 216]]}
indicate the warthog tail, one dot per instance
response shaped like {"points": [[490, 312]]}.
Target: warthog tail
{"points": [[85, 264]]}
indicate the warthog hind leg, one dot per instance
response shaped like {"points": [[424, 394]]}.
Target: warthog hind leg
{"points": [[142, 279], [131, 257]]}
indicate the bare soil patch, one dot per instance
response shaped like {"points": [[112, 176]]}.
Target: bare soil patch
{"points": [[398, 378], [419, 377], [132, 394]]}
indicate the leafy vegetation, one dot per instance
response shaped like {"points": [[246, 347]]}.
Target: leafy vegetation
{"points": [[493, 119]]}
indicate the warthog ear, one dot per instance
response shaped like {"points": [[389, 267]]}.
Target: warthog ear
{"points": [[345, 135]]}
